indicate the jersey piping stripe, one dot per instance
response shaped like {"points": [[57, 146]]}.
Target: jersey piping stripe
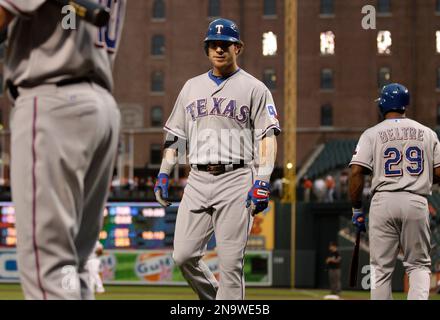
{"points": [[34, 201], [363, 164], [273, 126], [242, 260], [174, 132], [244, 249], [17, 9]]}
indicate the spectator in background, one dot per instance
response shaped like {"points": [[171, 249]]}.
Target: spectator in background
{"points": [[432, 210], [432, 216], [319, 189], [367, 188], [333, 263], [330, 186], [277, 188], [343, 185], [183, 181], [307, 185], [150, 182]]}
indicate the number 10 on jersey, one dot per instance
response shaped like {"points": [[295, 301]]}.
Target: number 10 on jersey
{"points": [[108, 36], [412, 161]]}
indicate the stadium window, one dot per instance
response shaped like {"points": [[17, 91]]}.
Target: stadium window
{"points": [[155, 153], [384, 42], [270, 45], [327, 79], [438, 115], [270, 78], [326, 115], [327, 7], [214, 8], [327, 43], [158, 9], [438, 78], [156, 116], [384, 77], [437, 6], [158, 45], [270, 8], [157, 82], [437, 41], [383, 6]]}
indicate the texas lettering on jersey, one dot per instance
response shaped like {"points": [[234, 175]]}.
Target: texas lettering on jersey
{"points": [[222, 122], [221, 107]]}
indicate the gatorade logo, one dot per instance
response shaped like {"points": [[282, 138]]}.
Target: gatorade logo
{"points": [[219, 28]]}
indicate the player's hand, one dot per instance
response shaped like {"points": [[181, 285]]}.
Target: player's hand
{"points": [[358, 219], [161, 189], [258, 197]]}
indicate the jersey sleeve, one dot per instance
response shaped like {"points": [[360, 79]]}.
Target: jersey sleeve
{"points": [[176, 123], [363, 154], [23, 8], [264, 114]]}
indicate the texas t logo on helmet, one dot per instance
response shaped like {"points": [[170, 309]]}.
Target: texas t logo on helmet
{"points": [[223, 30], [219, 28]]}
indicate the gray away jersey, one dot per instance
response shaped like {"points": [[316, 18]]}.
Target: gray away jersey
{"points": [[221, 122], [401, 153], [40, 51]]}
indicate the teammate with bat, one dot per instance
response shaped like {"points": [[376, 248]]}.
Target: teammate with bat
{"points": [[64, 134], [404, 158]]}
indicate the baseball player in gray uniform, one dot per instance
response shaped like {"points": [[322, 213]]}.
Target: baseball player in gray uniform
{"points": [[228, 120], [64, 134], [404, 158]]}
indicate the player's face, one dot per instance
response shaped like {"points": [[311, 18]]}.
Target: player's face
{"points": [[223, 55]]}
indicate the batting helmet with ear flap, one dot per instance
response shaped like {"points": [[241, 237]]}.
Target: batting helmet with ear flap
{"points": [[222, 30], [394, 97]]}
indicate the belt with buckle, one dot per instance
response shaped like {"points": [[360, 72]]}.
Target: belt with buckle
{"points": [[217, 169]]}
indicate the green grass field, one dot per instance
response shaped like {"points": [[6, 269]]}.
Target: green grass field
{"points": [[13, 292]]}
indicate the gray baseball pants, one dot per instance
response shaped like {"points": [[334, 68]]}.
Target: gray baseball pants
{"points": [[399, 221], [226, 215], [63, 146]]}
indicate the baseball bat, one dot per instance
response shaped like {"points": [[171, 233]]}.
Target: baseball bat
{"points": [[88, 10], [355, 261]]}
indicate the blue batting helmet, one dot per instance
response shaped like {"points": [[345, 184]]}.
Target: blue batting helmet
{"points": [[394, 97], [223, 30]]}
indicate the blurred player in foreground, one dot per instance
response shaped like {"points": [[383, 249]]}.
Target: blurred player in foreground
{"points": [[64, 135]]}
